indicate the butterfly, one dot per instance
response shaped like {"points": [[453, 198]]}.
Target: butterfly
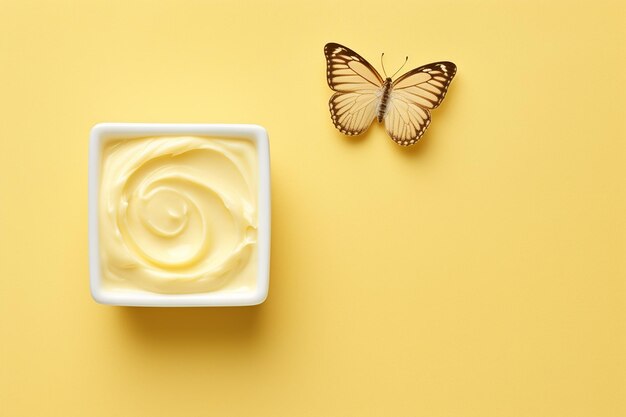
{"points": [[361, 95]]}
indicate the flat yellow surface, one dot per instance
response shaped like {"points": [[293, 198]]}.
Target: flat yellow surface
{"points": [[481, 273]]}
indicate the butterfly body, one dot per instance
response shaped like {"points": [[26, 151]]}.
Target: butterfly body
{"points": [[362, 95], [384, 99]]}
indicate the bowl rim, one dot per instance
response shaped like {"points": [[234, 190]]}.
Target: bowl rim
{"points": [[103, 132]]}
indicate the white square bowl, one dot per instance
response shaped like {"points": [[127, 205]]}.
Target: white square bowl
{"points": [[104, 132]]}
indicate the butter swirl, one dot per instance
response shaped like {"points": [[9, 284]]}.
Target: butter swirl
{"points": [[178, 214]]}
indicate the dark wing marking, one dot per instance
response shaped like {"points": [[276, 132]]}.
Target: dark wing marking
{"points": [[348, 71]]}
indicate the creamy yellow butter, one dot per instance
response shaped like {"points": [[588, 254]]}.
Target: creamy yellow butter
{"points": [[179, 214]]}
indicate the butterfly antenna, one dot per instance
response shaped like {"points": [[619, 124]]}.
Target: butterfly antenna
{"points": [[405, 61], [382, 64]]}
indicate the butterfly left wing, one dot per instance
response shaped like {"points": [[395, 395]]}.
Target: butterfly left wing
{"points": [[358, 89], [353, 113], [412, 97]]}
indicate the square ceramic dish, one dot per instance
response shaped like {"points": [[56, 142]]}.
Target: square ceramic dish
{"points": [[104, 133]]}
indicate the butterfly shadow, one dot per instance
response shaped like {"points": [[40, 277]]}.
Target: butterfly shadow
{"points": [[420, 148], [355, 140], [433, 134]]}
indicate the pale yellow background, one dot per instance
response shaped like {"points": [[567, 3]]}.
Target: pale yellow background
{"points": [[481, 273]]}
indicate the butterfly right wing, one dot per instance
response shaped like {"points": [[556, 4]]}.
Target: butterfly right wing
{"points": [[412, 97], [358, 89]]}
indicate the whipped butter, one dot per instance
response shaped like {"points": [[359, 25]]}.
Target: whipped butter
{"points": [[178, 214]]}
